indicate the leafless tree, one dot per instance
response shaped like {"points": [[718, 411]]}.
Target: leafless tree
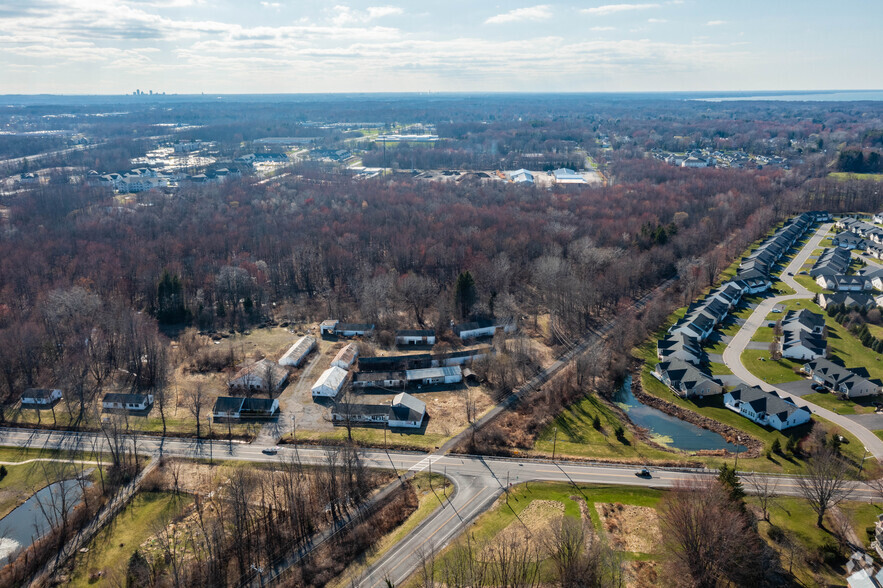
{"points": [[197, 402], [419, 293], [463, 566], [825, 482], [513, 564], [707, 537], [427, 566], [765, 490], [579, 557]]}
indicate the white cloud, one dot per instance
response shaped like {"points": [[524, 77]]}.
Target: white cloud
{"points": [[601, 29], [656, 20], [344, 15], [275, 5], [530, 13], [614, 8], [715, 23]]}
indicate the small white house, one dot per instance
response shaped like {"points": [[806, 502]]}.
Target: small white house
{"points": [[130, 402], [346, 356], [406, 411], [330, 382], [298, 352], [39, 397], [766, 408]]}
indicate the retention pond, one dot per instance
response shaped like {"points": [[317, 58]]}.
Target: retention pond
{"points": [[669, 430]]}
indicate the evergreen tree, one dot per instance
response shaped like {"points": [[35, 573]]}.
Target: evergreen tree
{"points": [[464, 294], [777, 446], [727, 476]]}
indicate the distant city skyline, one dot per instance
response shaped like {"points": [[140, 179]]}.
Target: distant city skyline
{"points": [[193, 46]]}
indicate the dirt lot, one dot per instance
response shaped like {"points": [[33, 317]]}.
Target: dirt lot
{"points": [[630, 528]]}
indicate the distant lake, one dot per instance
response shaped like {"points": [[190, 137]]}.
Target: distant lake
{"points": [[832, 96]]}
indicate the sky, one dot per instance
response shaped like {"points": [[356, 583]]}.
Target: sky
{"points": [[279, 46]]}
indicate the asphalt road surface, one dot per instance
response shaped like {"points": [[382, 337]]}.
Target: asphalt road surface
{"points": [[478, 481]]}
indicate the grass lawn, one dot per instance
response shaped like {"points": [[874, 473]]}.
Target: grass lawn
{"points": [[809, 283], [773, 372], [577, 436], [429, 501], [765, 334], [111, 549], [374, 437], [719, 369], [798, 521], [840, 406]]}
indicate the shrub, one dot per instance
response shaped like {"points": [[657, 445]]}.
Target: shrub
{"points": [[776, 534]]}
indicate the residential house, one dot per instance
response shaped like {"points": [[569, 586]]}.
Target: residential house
{"points": [[407, 411], [803, 345], [346, 356], [298, 352], [347, 412], [804, 320], [40, 397], [843, 283], [415, 337], [847, 240], [698, 325], [848, 299], [831, 262], [128, 402], [680, 346], [261, 376], [237, 407], [330, 382], [686, 380], [766, 408], [840, 379]]}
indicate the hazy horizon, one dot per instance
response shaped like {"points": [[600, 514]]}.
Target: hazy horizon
{"points": [[258, 47]]}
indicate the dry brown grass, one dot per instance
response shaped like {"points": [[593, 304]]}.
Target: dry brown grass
{"points": [[531, 527], [629, 527]]}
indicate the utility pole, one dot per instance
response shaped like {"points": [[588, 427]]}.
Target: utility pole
{"points": [[554, 443], [211, 454]]}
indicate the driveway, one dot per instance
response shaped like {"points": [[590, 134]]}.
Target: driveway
{"points": [[798, 388], [732, 355]]}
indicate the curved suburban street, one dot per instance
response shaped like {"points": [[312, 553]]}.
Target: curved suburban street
{"points": [[732, 355]]}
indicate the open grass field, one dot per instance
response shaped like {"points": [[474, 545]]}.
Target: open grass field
{"points": [[110, 550]]}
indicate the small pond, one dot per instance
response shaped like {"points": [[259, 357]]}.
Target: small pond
{"points": [[28, 521], [669, 430]]}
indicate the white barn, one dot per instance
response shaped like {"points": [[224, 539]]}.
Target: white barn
{"points": [[439, 375], [330, 382], [298, 352], [346, 356]]}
